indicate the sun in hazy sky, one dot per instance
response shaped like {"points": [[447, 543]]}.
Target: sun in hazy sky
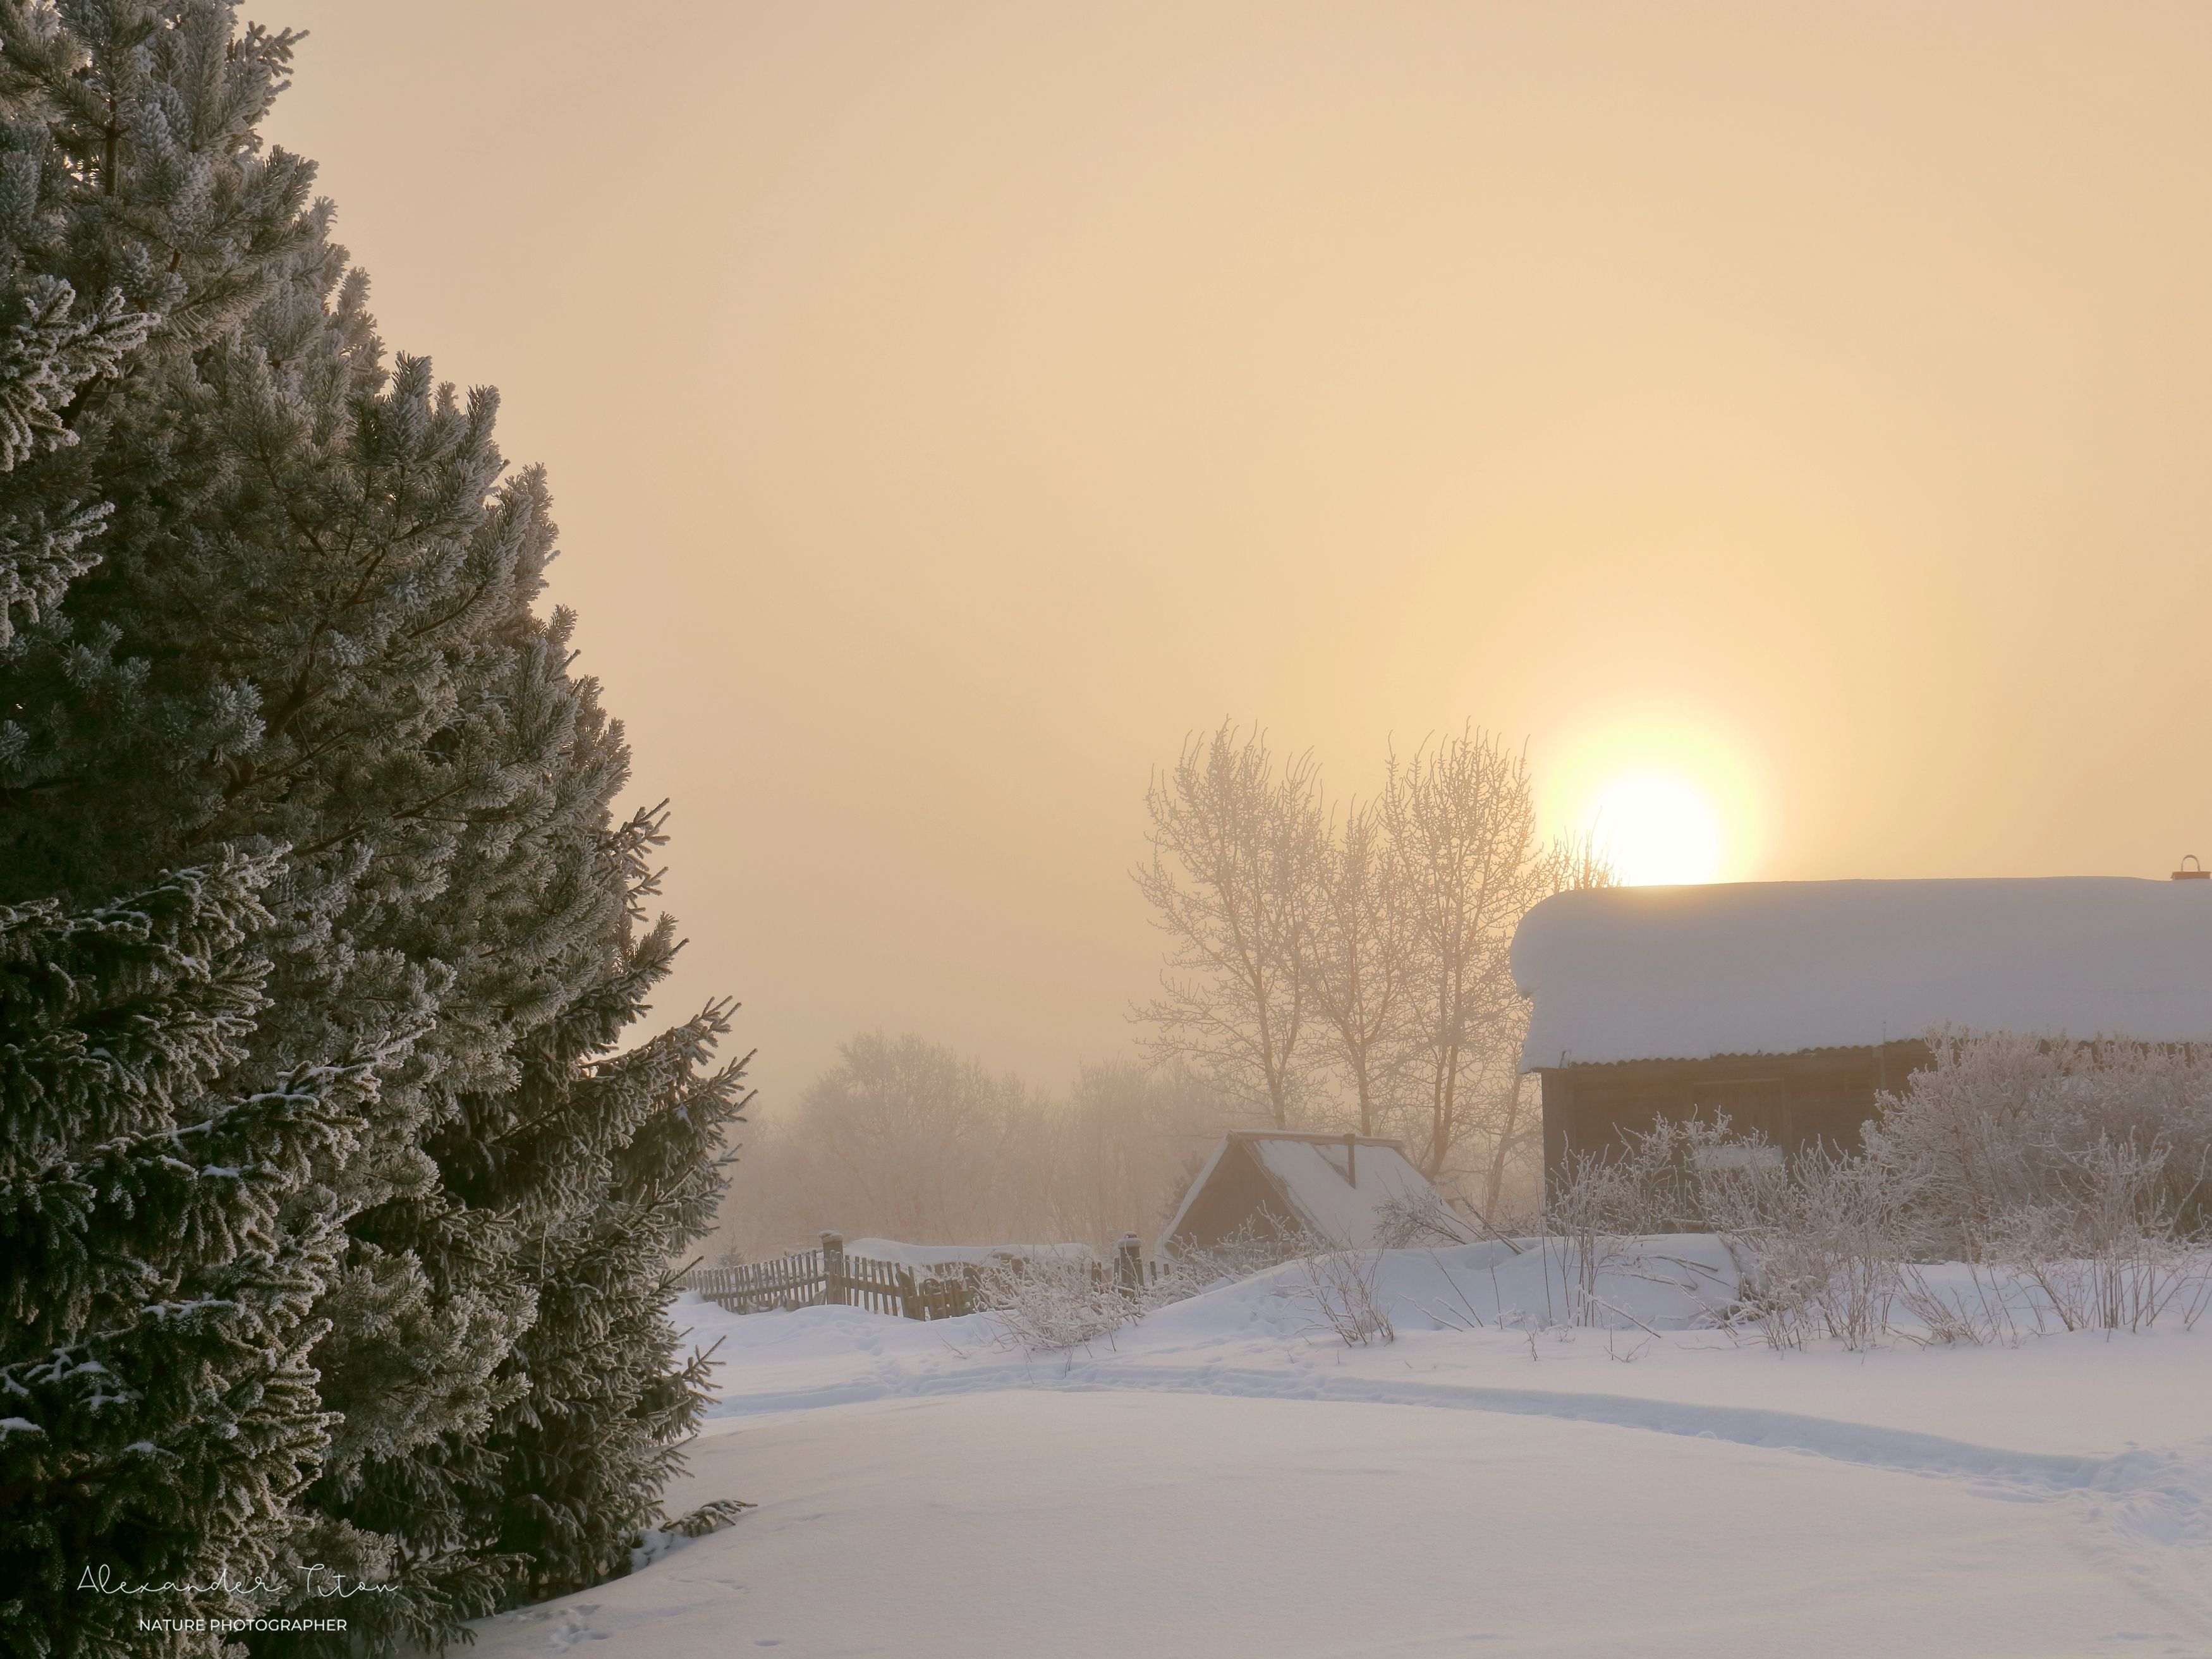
{"points": [[1656, 829], [1664, 803]]}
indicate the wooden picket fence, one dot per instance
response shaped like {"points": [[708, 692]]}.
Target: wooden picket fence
{"points": [[789, 1281], [808, 1278]]}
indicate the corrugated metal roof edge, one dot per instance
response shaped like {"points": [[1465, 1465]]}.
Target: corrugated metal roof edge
{"points": [[1565, 1065]]}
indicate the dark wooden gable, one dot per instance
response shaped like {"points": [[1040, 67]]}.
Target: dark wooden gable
{"points": [[1239, 1197]]}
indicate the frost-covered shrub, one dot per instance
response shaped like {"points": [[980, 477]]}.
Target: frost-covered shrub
{"points": [[2071, 1176], [1419, 1219], [1818, 1236], [1604, 1205], [1050, 1304], [2079, 1169], [1250, 1249], [1338, 1287], [2002, 1123], [1053, 1305], [1980, 1311], [1045, 1304], [2103, 1248], [1822, 1245]]}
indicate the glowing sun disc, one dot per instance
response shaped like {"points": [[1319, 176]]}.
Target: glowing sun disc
{"points": [[1657, 830]]}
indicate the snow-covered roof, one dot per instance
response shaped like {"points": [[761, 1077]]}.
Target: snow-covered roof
{"points": [[1336, 1188], [1683, 973]]}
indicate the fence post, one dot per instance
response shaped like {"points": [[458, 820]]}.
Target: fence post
{"points": [[833, 1268], [1129, 1264]]}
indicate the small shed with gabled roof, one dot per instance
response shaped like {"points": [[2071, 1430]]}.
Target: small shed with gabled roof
{"points": [[1348, 1191]]}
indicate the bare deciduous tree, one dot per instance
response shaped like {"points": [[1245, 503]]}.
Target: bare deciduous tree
{"points": [[1355, 959], [1374, 945], [1232, 880], [1461, 818]]}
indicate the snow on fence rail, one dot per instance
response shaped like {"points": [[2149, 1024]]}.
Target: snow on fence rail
{"points": [[806, 1279]]}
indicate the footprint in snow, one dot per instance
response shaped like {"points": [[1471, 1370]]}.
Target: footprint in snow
{"points": [[574, 1630]]}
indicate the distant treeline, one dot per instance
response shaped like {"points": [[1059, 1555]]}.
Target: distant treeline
{"points": [[907, 1139]]}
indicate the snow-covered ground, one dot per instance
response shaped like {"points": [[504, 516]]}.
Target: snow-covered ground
{"points": [[1228, 1478]]}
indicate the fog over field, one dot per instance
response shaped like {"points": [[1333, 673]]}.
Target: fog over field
{"points": [[1309, 828], [948, 411]]}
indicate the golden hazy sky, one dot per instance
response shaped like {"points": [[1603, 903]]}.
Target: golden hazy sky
{"points": [[949, 406]]}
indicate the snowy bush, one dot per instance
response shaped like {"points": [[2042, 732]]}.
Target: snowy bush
{"points": [[1052, 1304], [1252, 1249], [1338, 1286], [1820, 1242], [1817, 1237], [1985, 1309], [2070, 1178], [2000, 1125], [2076, 1169], [1604, 1207], [1418, 1218], [2103, 1246]]}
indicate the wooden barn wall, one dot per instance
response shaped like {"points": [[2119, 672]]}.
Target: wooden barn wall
{"points": [[1823, 1096]]}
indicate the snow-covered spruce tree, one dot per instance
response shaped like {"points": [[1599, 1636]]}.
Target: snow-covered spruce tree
{"points": [[587, 1452], [158, 1413], [52, 342], [311, 635]]}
